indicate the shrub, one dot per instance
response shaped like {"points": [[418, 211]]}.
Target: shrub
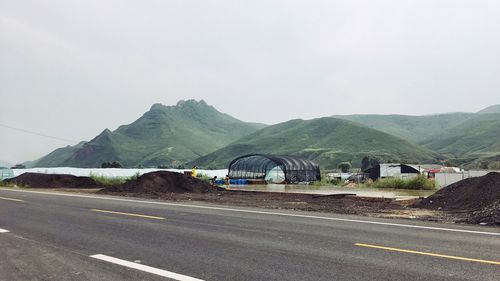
{"points": [[419, 182], [345, 167], [104, 180], [203, 177]]}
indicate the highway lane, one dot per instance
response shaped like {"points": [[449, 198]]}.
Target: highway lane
{"points": [[230, 243]]}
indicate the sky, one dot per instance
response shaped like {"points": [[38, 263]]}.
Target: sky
{"points": [[70, 69]]}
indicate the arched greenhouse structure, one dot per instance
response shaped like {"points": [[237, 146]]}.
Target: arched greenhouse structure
{"points": [[274, 169]]}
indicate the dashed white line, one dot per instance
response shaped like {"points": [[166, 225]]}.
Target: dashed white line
{"points": [[3, 230], [270, 213], [145, 268], [11, 199]]}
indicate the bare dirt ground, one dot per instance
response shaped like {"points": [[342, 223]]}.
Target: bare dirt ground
{"points": [[354, 205], [468, 205]]}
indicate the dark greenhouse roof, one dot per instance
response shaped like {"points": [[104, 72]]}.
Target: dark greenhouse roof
{"points": [[256, 166]]}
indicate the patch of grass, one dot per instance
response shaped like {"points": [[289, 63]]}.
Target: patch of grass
{"points": [[419, 182], [325, 182], [104, 180], [203, 177], [9, 184]]}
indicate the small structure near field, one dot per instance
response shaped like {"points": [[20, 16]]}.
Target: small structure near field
{"points": [[274, 169], [392, 170]]}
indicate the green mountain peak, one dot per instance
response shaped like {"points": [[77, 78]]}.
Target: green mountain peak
{"points": [[164, 135]]}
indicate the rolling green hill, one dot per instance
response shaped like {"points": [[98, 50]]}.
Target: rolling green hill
{"points": [[328, 141], [490, 109], [473, 143], [165, 135], [413, 128]]}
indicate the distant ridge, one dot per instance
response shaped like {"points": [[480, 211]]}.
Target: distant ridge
{"points": [[491, 109], [413, 128], [328, 141], [470, 140]]}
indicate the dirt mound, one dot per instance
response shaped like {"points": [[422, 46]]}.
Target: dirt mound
{"points": [[471, 194], [489, 215], [162, 182], [36, 180]]}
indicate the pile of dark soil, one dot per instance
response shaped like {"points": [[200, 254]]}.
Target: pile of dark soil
{"points": [[36, 180], [489, 215], [467, 195], [478, 199], [162, 182]]}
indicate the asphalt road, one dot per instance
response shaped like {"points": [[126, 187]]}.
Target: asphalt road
{"points": [[73, 237]]}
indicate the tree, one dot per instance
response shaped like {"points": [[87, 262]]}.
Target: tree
{"points": [[449, 163], [345, 167], [114, 164], [368, 162], [19, 166], [365, 163], [374, 161]]}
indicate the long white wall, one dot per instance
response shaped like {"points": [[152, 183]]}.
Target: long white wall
{"points": [[445, 179]]}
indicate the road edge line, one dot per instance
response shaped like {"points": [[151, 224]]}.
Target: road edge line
{"points": [[266, 213]]}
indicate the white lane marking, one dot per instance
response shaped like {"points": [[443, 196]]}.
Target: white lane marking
{"points": [[145, 268], [11, 199], [3, 230], [268, 213]]}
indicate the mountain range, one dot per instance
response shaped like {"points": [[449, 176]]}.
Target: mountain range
{"points": [[195, 133], [328, 141], [163, 136]]}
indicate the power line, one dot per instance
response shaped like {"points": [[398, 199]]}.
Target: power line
{"points": [[37, 134]]}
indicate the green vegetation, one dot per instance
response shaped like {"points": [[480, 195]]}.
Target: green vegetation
{"points": [[194, 133], [344, 167], [419, 182], [368, 162], [114, 164], [9, 184], [412, 128], [471, 140], [490, 109], [327, 141], [472, 144], [105, 180], [203, 177], [325, 182], [165, 135]]}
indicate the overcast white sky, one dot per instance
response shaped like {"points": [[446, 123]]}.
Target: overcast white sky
{"points": [[73, 68]]}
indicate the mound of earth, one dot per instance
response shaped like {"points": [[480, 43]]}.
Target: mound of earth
{"points": [[36, 180], [471, 194], [476, 199], [489, 215], [162, 182]]}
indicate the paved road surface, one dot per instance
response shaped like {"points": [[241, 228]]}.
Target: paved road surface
{"points": [[76, 237]]}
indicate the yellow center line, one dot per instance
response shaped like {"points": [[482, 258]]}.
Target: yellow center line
{"points": [[127, 214], [11, 199], [427, 254]]}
